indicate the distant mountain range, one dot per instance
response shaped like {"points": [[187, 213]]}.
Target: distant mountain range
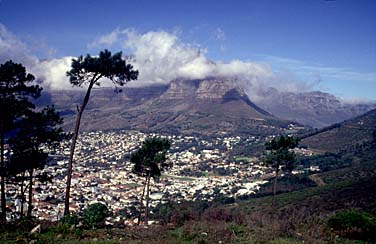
{"points": [[208, 106], [316, 109]]}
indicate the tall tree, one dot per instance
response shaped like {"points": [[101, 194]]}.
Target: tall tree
{"points": [[149, 161], [88, 71], [15, 90], [279, 156], [37, 132]]}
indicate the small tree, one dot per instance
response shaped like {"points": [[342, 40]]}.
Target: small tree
{"points": [[36, 130], [149, 161], [279, 156], [88, 71], [95, 214], [15, 90]]}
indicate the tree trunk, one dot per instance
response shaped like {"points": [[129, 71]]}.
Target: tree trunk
{"points": [[30, 202], [275, 191], [142, 204], [147, 201], [22, 194], [73, 145], [2, 169]]}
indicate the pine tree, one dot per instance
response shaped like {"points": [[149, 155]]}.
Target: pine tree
{"points": [[88, 71], [15, 92], [280, 156], [149, 161], [37, 133]]}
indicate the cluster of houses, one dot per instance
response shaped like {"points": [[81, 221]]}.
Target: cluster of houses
{"points": [[103, 173]]}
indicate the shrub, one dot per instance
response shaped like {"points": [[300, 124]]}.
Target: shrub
{"points": [[71, 219], [95, 214], [354, 224]]}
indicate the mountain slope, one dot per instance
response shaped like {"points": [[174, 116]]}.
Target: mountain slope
{"points": [[316, 109], [210, 106], [214, 105], [344, 135]]}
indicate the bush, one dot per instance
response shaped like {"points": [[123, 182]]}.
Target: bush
{"points": [[95, 214], [71, 219], [354, 224]]}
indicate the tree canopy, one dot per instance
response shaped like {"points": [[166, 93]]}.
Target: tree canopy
{"points": [[90, 69], [150, 159], [279, 153], [15, 91]]}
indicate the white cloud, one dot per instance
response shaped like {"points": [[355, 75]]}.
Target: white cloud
{"points": [[106, 40], [11, 48], [324, 72], [161, 57], [53, 73]]}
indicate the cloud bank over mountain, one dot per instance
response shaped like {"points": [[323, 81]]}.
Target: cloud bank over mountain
{"points": [[159, 56]]}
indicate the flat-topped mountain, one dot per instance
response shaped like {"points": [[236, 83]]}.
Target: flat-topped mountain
{"points": [[206, 106]]}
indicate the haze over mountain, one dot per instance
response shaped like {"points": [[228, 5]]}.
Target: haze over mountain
{"points": [[207, 106], [314, 108]]}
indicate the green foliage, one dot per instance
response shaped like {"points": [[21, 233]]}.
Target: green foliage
{"points": [[14, 94], [354, 224], [61, 228], [282, 142], [286, 183], [279, 154], [15, 90], [91, 69], [150, 160], [236, 229], [35, 130], [88, 71], [179, 213], [95, 214], [71, 219]]}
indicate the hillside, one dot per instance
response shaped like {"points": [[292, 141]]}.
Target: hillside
{"points": [[203, 106], [209, 107], [316, 109], [349, 133], [302, 217]]}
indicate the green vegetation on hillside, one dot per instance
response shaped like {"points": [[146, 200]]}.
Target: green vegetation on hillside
{"points": [[343, 135]]}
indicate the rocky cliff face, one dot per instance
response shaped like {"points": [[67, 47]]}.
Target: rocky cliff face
{"points": [[209, 106], [211, 88]]}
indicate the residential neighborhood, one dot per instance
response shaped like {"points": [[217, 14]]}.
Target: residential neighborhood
{"points": [[103, 173]]}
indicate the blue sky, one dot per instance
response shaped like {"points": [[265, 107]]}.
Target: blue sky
{"points": [[331, 44]]}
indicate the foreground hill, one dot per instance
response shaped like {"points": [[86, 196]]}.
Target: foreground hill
{"points": [[341, 136], [302, 217]]}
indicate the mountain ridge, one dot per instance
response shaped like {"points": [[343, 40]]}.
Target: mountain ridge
{"points": [[204, 106]]}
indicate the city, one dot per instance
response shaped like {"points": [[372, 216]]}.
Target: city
{"points": [[103, 173]]}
